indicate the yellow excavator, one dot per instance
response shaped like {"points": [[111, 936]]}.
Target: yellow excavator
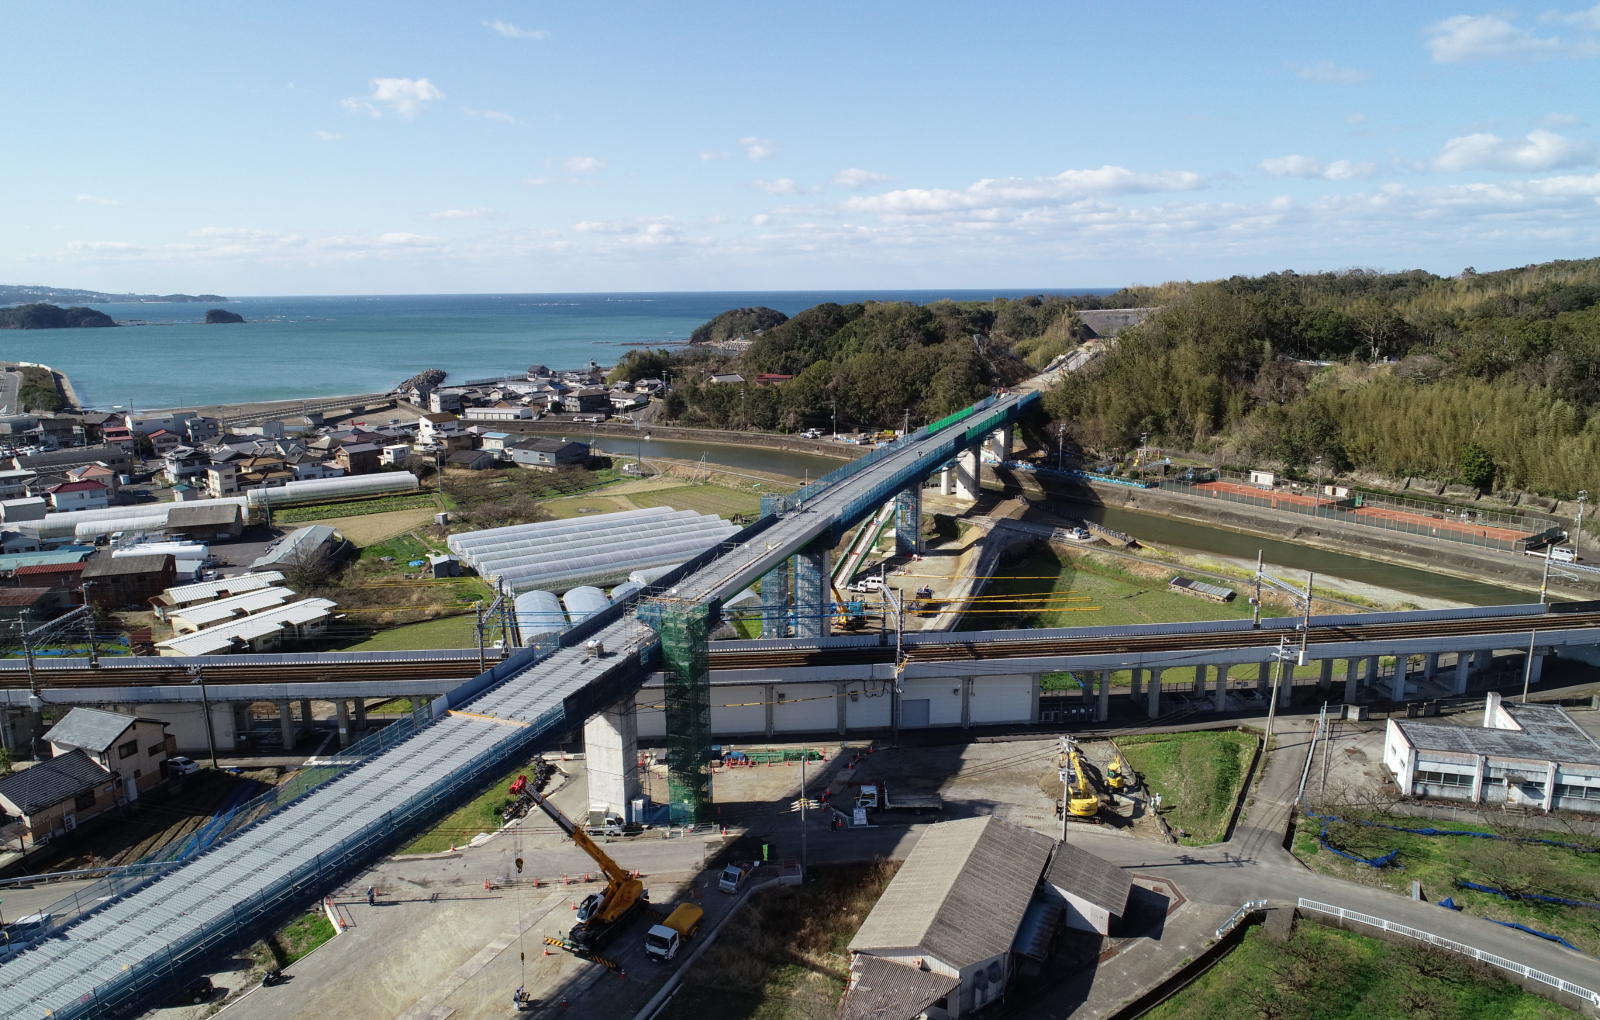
{"points": [[1078, 788], [601, 915], [1117, 773]]}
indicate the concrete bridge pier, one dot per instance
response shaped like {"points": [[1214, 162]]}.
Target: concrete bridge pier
{"points": [[1325, 677], [968, 475], [341, 708], [1198, 688], [1153, 695], [999, 443], [1102, 708], [1374, 670], [908, 520], [1134, 676], [1264, 680], [308, 722], [286, 725], [1430, 666], [1483, 660], [1535, 670], [1221, 694], [360, 706], [946, 482], [1397, 683], [813, 594], [1463, 675], [611, 750]]}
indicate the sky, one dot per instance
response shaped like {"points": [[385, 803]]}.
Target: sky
{"points": [[517, 146]]}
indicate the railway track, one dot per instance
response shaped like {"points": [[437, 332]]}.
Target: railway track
{"points": [[155, 672]]}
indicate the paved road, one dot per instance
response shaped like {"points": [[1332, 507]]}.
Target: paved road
{"points": [[10, 385]]}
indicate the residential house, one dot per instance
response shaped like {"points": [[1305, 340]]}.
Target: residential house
{"points": [[501, 411], [358, 458], [263, 471], [62, 580], [18, 542], [314, 543], [939, 941], [548, 453], [96, 473], [310, 464], [398, 454], [162, 440], [443, 402], [183, 492], [128, 746], [81, 495], [60, 460], [124, 581], [433, 428], [494, 442], [650, 386], [222, 479], [207, 591], [587, 400], [55, 796], [201, 429], [1094, 890], [14, 483]]}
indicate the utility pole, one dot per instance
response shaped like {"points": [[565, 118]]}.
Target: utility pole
{"points": [[1283, 656], [1255, 606], [834, 403], [205, 708], [477, 608], [804, 797], [1061, 439], [1577, 538], [1527, 666], [906, 430]]}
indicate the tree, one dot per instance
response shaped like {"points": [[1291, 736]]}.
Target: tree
{"points": [[1477, 467]]}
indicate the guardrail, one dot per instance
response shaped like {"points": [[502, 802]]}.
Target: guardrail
{"points": [[1450, 945], [1238, 916]]}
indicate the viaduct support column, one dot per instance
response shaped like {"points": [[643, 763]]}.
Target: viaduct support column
{"points": [[1535, 670], [946, 483], [1397, 683], [1463, 672], [611, 747], [1222, 689], [908, 520], [1134, 676], [775, 601], [1430, 665], [1264, 679], [360, 705], [968, 478], [342, 708], [1152, 699], [286, 724], [685, 629], [999, 443], [813, 594], [1352, 680], [1325, 678], [1374, 670], [1102, 709], [308, 721]]}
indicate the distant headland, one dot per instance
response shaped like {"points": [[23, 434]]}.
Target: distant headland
{"points": [[42, 316], [16, 294]]}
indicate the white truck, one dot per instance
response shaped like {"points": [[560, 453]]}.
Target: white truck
{"points": [[663, 940], [875, 797], [603, 821], [733, 877]]}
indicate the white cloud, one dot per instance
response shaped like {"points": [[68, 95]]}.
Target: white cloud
{"points": [[1311, 167], [761, 219], [326, 136], [645, 232], [1539, 150], [1329, 72], [855, 177], [584, 164], [1585, 20], [758, 148], [474, 213], [494, 115], [105, 248], [507, 30], [536, 182], [1562, 120], [87, 199], [1013, 192], [401, 239], [781, 186], [404, 96], [1484, 37], [708, 155]]}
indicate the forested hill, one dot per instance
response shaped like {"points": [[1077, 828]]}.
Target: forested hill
{"points": [[51, 317], [868, 363], [1492, 379], [11, 294]]}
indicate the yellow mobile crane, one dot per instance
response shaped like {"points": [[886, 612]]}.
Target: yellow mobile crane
{"points": [[603, 914]]}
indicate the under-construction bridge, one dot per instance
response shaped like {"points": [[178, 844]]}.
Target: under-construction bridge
{"points": [[154, 926]]}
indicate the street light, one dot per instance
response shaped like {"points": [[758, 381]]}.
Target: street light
{"points": [[205, 707], [1061, 439]]}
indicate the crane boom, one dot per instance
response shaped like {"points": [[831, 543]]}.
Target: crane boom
{"points": [[600, 913]]}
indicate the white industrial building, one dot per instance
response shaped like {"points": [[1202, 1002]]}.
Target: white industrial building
{"points": [[207, 591], [1524, 755], [201, 615], [260, 632]]}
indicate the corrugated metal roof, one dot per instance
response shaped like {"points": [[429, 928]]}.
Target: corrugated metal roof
{"points": [[118, 566], [52, 781], [961, 894], [1547, 733], [887, 990], [204, 591], [1079, 872]]}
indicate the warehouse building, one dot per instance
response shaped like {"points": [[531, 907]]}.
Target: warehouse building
{"points": [[1523, 755], [939, 942], [260, 632]]}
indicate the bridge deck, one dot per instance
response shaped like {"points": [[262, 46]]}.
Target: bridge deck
{"points": [[114, 957]]}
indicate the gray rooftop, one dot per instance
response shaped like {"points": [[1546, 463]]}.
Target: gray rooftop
{"points": [[1547, 734], [889, 990], [106, 565], [961, 894], [52, 781], [93, 729], [1077, 871], [206, 513]]}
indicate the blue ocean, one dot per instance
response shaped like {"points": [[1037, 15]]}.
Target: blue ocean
{"points": [[328, 346]]}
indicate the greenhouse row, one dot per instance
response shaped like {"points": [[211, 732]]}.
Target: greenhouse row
{"points": [[589, 551]]}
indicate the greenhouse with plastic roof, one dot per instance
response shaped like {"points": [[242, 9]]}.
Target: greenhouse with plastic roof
{"points": [[595, 550]]}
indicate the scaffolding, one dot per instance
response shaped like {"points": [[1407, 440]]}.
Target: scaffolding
{"points": [[775, 602], [908, 520], [685, 630]]}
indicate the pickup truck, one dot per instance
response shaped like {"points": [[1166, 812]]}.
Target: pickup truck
{"points": [[663, 940], [732, 878]]}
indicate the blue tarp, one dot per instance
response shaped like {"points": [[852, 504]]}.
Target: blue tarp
{"points": [[1530, 897], [1428, 831], [1448, 904], [1534, 931], [1385, 861]]}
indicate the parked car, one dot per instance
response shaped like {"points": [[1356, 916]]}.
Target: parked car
{"points": [[868, 585], [182, 766]]}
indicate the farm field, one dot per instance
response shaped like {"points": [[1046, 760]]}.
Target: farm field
{"points": [[1198, 775]]}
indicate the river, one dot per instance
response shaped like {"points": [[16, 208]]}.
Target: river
{"points": [[1287, 559]]}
